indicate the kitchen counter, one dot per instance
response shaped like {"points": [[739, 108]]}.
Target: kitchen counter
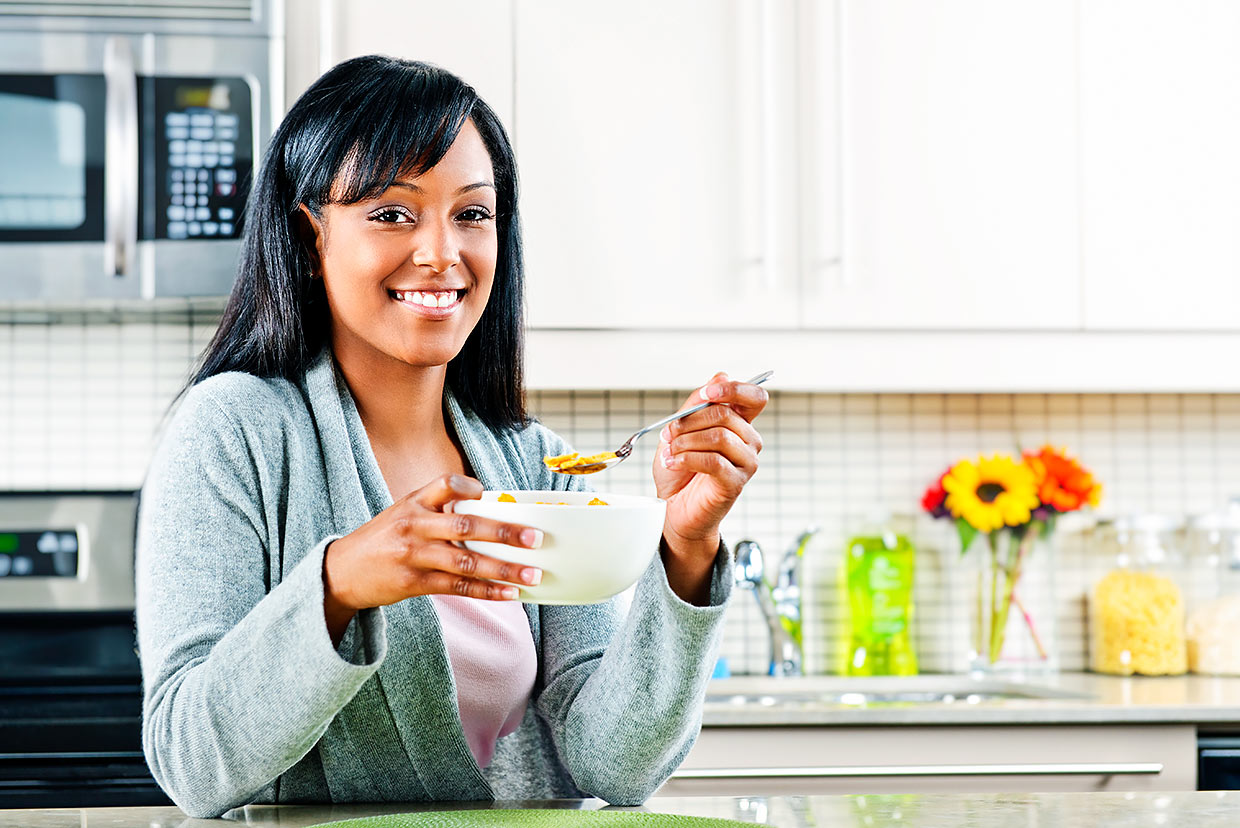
{"points": [[1062, 698], [1183, 810]]}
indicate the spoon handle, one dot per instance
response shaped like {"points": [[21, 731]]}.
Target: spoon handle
{"points": [[758, 380]]}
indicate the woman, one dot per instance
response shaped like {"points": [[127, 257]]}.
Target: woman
{"points": [[309, 626]]}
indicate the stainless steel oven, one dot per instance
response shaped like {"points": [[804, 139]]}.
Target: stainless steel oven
{"points": [[70, 684], [128, 136]]}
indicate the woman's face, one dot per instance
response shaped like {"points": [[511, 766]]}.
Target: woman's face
{"points": [[408, 274]]}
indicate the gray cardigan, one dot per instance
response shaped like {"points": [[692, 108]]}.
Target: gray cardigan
{"points": [[245, 698]]}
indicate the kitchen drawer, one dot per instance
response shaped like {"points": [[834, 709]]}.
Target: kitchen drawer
{"points": [[772, 761]]}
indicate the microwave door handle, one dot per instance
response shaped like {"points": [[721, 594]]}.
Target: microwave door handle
{"points": [[120, 177]]}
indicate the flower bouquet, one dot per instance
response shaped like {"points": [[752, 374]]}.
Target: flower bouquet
{"points": [[1013, 505]]}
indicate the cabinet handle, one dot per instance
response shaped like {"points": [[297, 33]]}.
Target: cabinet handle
{"points": [[821, 105], [1050, 769], [755, 47], [120, 176], [770, 169]]}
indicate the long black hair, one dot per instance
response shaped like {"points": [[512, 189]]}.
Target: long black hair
{"points": [[346, 139]]}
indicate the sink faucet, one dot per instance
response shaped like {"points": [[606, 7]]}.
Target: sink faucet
{"points": [[781, 604]]}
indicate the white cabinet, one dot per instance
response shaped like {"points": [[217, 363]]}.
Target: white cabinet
{"points": [[1160, 139], [472, 40], [700, 164], [656, 167], [959, 168], [775, 761]]}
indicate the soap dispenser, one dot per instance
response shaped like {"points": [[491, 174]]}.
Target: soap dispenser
{"points": [[877, 581]]}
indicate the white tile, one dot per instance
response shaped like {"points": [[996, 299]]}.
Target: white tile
{"points": [[830, 458]]}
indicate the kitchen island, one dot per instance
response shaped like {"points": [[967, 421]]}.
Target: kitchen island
{"points": [[1182, 810]]}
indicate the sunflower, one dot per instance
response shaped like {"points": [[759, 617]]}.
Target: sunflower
{"points": [[992, 493], [1062, 483]]}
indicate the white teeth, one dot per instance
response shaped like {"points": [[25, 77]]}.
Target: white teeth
{"points": [[429, 299]]}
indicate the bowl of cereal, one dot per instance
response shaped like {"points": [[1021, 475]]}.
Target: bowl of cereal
{"points": [[595, 545]]}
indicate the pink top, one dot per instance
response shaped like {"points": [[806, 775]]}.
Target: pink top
{"points": [[494, 662]]}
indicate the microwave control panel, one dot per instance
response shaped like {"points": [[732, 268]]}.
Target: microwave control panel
{"points": [[39, 553], [203, 156]]}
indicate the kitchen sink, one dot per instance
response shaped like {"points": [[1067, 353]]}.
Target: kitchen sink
{"points": [[840, 691]]}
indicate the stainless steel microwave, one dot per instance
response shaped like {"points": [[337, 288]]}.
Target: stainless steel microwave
{"points": [[128, 137]]}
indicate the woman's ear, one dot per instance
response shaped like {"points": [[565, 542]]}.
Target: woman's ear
{"points": [[312, 234]]}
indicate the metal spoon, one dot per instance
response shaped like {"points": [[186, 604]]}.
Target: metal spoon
{"points": [[627, 447]]}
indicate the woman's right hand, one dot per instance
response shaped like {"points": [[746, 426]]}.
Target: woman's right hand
{"points": [[411, 548]]}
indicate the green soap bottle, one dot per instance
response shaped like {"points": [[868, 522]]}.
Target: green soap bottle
{"points": [[878, 578]]}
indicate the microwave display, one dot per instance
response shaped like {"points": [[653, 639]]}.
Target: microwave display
{"points": [[202, 159]]}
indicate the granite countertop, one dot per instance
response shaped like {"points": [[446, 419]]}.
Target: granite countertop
{"points": [[1059, 698], [1062, 810]]}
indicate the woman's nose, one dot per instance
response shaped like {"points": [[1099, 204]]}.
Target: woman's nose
{"points": [[435, 246]]}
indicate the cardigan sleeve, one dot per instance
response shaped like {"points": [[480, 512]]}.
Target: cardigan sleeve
{"points": [[240, 675], [599, 665], [658, 662]]}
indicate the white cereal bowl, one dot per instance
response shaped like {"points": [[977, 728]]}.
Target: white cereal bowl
{"points": [[588, 553]]}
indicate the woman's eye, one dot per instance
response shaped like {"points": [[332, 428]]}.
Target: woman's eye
{"points": [[390, 216], [476, 214]]}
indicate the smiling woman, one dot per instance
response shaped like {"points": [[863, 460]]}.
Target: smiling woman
{"points": [[312, 620], [353, 145], [425, 280]]}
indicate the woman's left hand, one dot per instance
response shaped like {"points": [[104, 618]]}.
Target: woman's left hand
{"points": [[701, 466]]}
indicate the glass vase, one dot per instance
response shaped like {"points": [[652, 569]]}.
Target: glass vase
{"points": [[1014, 607]]}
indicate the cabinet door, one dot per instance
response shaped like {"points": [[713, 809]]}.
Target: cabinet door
{"points": [[959, 168], [1161, 164], [472, 40], [656, 179]]}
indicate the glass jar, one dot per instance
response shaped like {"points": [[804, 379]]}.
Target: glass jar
{"points": [[1137, 610], [1213, 542]]}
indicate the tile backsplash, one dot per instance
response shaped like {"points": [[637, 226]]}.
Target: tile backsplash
{"points": [[82, 400]]}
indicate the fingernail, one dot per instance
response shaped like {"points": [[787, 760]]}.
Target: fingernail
{"points": [[531, 576], [669, 459], [712, 391], [666, 434], [510, 592], [533, 538]]}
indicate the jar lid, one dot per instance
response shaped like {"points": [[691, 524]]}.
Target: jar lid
{"points": [[1228, 521], [1147, 523]]}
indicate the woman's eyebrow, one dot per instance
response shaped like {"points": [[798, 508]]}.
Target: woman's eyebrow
{"points": [[408, 185]]}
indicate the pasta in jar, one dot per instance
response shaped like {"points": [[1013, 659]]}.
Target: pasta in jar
{"points": [[1137, 610], [1138, 625]]}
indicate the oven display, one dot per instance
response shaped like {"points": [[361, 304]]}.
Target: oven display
{"points": [[41, 553]]}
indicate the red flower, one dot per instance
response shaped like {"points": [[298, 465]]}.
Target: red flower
{"points": [[932, 500], [1063, 484]]}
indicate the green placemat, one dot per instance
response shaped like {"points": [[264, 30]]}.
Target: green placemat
{"points": [[526, 817]]}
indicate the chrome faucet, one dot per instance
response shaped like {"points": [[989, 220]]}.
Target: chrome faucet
{"points": [[781, 604]]}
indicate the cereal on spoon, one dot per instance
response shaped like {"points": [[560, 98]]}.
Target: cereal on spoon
{"points": [[574, 463]]}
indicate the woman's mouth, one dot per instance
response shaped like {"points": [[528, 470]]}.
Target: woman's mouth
{"points": [[436, 304]]}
